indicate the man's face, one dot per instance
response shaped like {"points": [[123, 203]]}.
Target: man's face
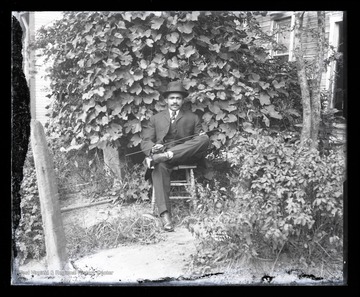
{"points": [[174, 101]]}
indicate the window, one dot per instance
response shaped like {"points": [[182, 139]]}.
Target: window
{"points": [[335, 83], [284, 35]]}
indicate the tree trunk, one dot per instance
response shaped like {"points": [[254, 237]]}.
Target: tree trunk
{"points": [[112, 161], [316, 85], [55, 241], [304, 86]]}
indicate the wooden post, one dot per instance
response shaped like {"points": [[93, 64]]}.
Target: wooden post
{"points": [[112, 161], [55, 241]]}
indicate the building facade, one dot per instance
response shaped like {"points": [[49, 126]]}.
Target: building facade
{"points": [[280, 24]]}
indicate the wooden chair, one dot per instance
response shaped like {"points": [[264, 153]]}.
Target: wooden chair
{"points": [[180, 188]]}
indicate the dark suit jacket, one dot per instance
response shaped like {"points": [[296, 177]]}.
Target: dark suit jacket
{"points": [[187, 123]]}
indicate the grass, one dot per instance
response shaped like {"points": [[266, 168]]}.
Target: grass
{"points": [[131, 228]]}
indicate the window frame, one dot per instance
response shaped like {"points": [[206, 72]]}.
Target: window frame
{"points": [[278, 17]]}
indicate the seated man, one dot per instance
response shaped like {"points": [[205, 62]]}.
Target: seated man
{"points": [[170, 138]]}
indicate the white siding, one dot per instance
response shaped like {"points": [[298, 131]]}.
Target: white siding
{"points": [[39, 85]]}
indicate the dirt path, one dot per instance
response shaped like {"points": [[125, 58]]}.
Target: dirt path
{"points": [[142, 263]]}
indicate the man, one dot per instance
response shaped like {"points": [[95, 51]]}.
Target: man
{"points": [[170, 138]]}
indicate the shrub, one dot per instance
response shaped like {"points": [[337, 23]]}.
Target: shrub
{"points": [[132, 187], [284, 197], [29, 235]]}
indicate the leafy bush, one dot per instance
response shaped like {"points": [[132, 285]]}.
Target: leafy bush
{"points": [[29, 235], [282, 197], [132, 187]]}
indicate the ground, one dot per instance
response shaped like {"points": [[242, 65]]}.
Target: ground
{"points": [[165, 262]]}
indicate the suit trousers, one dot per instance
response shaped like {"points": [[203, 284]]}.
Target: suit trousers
{"points": [[188, 152]]}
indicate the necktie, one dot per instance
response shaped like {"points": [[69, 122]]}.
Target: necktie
{"points": [[173, 116]]}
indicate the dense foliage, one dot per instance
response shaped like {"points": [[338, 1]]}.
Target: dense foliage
{"points": [[282, 197], [29, 235], [110, 68]]}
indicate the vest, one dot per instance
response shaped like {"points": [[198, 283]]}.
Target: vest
{"points": [[171, 134]]}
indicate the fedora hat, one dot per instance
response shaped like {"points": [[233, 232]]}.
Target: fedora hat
{"points": [[175, 87]]}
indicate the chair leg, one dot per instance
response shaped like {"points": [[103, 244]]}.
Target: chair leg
{"points": [[193, 188], [153, 205]]}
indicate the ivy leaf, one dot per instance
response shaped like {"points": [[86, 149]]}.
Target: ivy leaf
{"points": [[247, 127], [236, 89], [221, 95], [272, 93], [117, 110], [188, 51], [205, 39], [264, 85], [215, 47], [264, 99], [100, 108], [148, 99], [272, 112], [221, 137], [116, 50], [149, 81], [149, 42], [135, 139], [156, 23], [210, 95], [226, 105], [236, 73], [127, 16], [173, 63], [151, 69], [214, 108], [277, 84], [104, 120], [100, 91], [134, 126], [188, 83], [121, 25], [157, 37], [88, 105], [115, 131], [94, 139], [138, 74], [207, 117], [173, 37], [229, 129], [135, 88], [220, 115], [254, 78], [126, 59], [194, 15], [213, 124], [143, 64], [187, 37], [114, 65], [185, 28], [159, 59], [215, 141], [230, 118]]}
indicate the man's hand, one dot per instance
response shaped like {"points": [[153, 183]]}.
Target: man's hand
{"points": [[157, 148], [202, 133]]}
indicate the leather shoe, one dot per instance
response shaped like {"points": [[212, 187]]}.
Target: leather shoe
{"points": [[166, 220]]}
